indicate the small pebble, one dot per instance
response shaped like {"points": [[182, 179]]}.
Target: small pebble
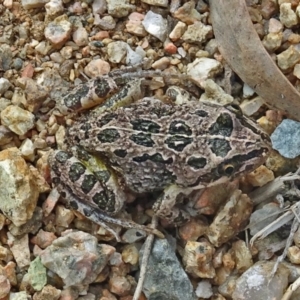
{"points": [[97, 67], [116, 51], [286, 138], [58, 32], [156, 25]]}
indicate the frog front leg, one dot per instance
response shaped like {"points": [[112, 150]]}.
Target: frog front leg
{"points": [[165, 206]]}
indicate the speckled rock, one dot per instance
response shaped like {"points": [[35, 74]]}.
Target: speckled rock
{"points": [[31, 226], [80, 36], [165, 278], [197, 33], [156, 25], [35, 94], [54, 7], [231, 219], [17, 119], [18, 296], [119, 8], [76, 258], [286, 138], [198, 259], [214, 93], [252, 284], [203, 68], [116, 51], [18, 190], [37, 274], [58, 32]]}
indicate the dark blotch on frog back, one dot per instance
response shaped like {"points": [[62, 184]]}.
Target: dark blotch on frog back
{"points": [[143, 139], [178, 142], [219, 147], [223, 126], [88, 183], [145, 125], [197, 162], [108, 135], [76, 171], [105, 200], [179, 127]]}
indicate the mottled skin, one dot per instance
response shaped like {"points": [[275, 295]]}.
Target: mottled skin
{"points": [[154, 146]]}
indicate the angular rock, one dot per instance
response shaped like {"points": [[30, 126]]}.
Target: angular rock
{"points": [[165, 278], [18, 190], [286, 138], [77, 258]]}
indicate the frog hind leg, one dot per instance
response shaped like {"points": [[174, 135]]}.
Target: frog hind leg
{"points": [[165, 206]]}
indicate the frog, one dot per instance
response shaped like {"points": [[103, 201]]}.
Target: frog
{"points": [[146, 145]]}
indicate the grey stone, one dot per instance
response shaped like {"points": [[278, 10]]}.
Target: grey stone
{"points": [[286, 138], [165, 278]]}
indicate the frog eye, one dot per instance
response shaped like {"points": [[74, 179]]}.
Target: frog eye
{"points": [[228, 169]]}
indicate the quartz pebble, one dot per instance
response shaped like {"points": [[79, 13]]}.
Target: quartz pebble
{"points": [[204, 289], [80, 36], [116, 51], [250, 107], [252, 283], [58, 32], [4, 85], [18, 120], [86, 259], [165, 278], [119, 8], [54, 7], [156, 25], [286, 138], [18, 190], [203, 68]]}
